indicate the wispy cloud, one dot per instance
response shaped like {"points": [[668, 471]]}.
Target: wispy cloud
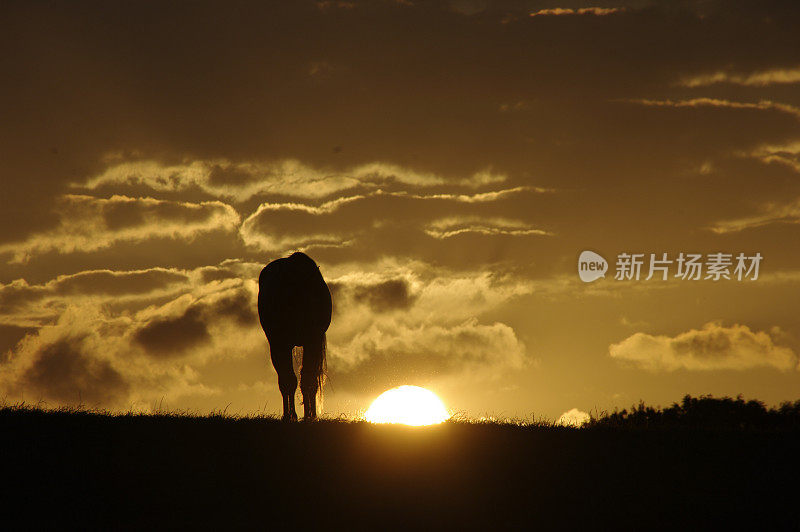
{"points": [[483, 197], [240, 181], [459, 225], [331, 206], [89, 224], [762, 78], [597, 11], [786, 154], [763, 105], [22, 303], [771, 213], [279, 243], [278, 227]]}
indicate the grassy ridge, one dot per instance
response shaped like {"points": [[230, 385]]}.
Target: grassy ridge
{"points": [[167, 471]]}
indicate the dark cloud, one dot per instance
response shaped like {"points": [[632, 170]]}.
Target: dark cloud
{"points": [[171, 337], [10, 335], [17, 294], [174, 336], [116, 355], [64, 372], [381, 296], [239, 307], [393, 294]]}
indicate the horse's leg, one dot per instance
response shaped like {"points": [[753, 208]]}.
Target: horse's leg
{"points": [[310, 375], [281, 354]]}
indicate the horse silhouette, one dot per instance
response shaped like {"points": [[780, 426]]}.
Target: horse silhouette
{"points": [[294, 307]]}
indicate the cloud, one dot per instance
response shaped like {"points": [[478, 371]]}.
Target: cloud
{"points": [[32, 305], [114, 358], [77, 359], [483, 197], [402, 353], [787, 154], [327, 207], [332, 206], [383, 172], [459, 225], [10, 335], [380, 296], [437, 293], [174, 329], [597, 11], [714, 347], [115, 283], [438, 334], [271, 239], [388, 295], [354, 220], [573, 418], [24, 304], [228, 269], [763, 105], [89, 224], [761, 78], [171, 336], [240, 181], [65, 372], [771, 213], [238, 305]]}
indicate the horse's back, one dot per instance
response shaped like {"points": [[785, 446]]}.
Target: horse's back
{"points": [[293, 299]]}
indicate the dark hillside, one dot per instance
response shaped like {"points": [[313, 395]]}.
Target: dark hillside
{"points": [[89, 469]]}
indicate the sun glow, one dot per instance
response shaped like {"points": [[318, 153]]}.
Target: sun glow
{"points": [[407, 405]]}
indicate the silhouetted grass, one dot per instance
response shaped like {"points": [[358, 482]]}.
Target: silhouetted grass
{"points": [[96, 469]]}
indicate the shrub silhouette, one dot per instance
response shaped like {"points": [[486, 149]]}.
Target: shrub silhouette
{"points": [[706, 412]]}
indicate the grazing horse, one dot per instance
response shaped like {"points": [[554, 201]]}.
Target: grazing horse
{"points": [[294, 307]]}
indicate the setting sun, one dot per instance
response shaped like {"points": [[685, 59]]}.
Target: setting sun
{"points": [[407, 405]]}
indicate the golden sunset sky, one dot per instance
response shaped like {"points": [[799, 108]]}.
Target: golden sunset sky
{"points": [[445, 163]]}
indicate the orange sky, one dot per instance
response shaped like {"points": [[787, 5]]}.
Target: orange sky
{"points": [[445, 163]]}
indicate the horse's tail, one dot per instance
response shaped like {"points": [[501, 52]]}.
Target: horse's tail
{"points": [[314, 368], [323, 372]]}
